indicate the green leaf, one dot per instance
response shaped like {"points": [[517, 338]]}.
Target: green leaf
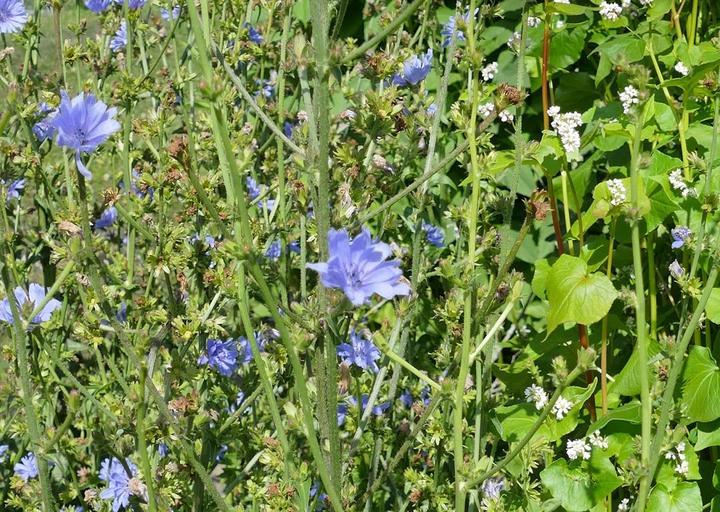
{"points": [[684, 498], [659, 9], [708, 434], [701, 385], [576, 295], [627, 382], [578, 487], [569, 9], [712, 308], [629, 413], [542, 267]]}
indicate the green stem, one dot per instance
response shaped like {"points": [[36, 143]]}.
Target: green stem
{"points": [[642, 340], [142, 444], [385, 349]]}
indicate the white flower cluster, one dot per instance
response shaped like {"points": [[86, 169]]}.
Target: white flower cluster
{"points": [[678, 183], [681, 68], [610, 10], [618, 192], [624, 505], [488, 72], [629, 98], [561, 408], [514, 40], [488, 108], [681, 463], [646, 3], [533, 21], [566, 125], [536, 394], [598, 441], [562, 1], [578, 448]]}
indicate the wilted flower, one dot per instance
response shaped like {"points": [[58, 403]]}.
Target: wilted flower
{"points": [[27, 468], [414, 70], [433, 234], [680, 235], [107, 218], [29, 300], [82, 124], [120, 485], [119, 40], [221, 355], [12, 16], [358, 267], [360, 351]]}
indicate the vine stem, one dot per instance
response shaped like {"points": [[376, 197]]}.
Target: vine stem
{"points": [[642, 340]]}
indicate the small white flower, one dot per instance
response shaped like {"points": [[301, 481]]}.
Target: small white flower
{"points": [[578, 448], [676, 270], [626, 3], [488, 72], [506, 117], [302, 116], [348, 115], [514, 40], [486, 109], [566, 126], [610, 11], [533, 21], [553, 111], [536, 394], [646, 3], [629, 98], [624, 505], [678, 183], [598, 440], [618, 193], [681, 68], [561, 408], [562, 1]]}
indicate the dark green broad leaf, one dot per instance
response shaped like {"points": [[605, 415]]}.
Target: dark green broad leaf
{"points": [[581, 486], [685, 497], [701, 385], [627, 382], [569, 9], [708, 434], [712, 308], [659, 9], [576, 295], [628, 413]]}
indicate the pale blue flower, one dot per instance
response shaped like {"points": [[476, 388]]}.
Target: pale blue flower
{"points": [[119, 40], [170, 15], [414, 70], [27, 468], [360, 351], [3, 452], [118, 482], [98, 6], [274, 250], [434, 234], [221, 355], [13, 16], [359, 269], [13, 191], [680, 234], [29, 301], [107, 218]]}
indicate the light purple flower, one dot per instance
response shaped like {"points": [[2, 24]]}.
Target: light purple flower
{"points": [[680, 235], [676, 270], [274, 250], [29, 300], [82, 124], [359, 269], [170, 15], [13, 16], [120, 485], [434, 234], [360, 351], [13, 191], [414, 70], [377, 410], [132, 4], [119, 40], [221, 355], [451, 26], [3, 451], [107, 218], [44, 129], [98, 6], [27, 468]]}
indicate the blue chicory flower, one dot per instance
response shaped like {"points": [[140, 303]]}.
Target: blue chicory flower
{"points": [[253, 35], [360, 351], [3, 451], [414, 70], [451, 27], [29, 300], [98, 6], [359, 269], [253, 188], [119, 40], [120, 485], [107, 218], [288, 129], [406, 398], [132, 4], [82, 124], [13, 16], [274, 250], [221, 355], [44, 129], [294, 246], [163, 450], [13, 191], [170, 15], [680, 235], [434, 234], [676, 270], [27, 468], [267, 87]]}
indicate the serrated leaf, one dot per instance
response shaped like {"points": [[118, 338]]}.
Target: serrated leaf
{"points": [[575, 295], [701, 385]]}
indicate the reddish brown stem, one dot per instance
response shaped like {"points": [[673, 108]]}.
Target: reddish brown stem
{"points": [[582, 330]]}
